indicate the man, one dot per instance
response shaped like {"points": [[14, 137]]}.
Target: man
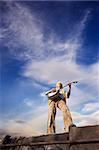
{"points": [[61, 104]]}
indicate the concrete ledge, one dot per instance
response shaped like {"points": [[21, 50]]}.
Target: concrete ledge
{"points": [[79, 138], [82, 133]]}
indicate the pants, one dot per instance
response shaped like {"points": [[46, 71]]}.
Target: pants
{"points": [[52, 113]]}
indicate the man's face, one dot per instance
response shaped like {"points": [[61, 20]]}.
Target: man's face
{"points": [[58, 86]]}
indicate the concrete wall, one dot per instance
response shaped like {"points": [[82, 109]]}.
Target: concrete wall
{"points": [[79, 138], [84, 138]]}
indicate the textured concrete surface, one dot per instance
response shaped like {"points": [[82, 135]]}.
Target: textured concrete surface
{"points": [[79, 138]]}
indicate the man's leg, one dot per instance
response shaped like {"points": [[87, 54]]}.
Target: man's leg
{"points": [[51, 118], [66, 115]]}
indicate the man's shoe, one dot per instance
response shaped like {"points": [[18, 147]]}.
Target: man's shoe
{"points": [[72, 125]]}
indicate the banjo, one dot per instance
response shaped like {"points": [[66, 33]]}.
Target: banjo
{"points": [[57, 95]]}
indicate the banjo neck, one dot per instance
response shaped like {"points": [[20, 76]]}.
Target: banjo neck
{"points": [[70, 83], [53, 90]]}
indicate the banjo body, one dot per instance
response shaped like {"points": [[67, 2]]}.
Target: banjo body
{"points": [[55, 96]]}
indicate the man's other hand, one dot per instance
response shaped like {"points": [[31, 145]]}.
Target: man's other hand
{"points": [[69, 84]]}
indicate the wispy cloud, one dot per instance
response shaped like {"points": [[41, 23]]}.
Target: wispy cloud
{"points": [[83, 120], [91, 107], [24, 29], [20, 121], [59, 57], [29, 102]]}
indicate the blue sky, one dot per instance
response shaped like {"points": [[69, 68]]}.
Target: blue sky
{"points": [[42, 43]]}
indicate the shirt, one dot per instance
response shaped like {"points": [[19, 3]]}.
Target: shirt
{"points": [[63, 95]]}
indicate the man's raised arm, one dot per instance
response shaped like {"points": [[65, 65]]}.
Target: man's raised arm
{"points": [[69, 91]]}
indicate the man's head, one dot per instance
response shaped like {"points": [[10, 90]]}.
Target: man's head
{"points": [[59, 85]]}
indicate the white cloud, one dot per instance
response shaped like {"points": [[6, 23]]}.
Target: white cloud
{"points": [[43, 96], [29, 102], [52, 70], [91, 107], [37, 124], [26, 30], [83, 120], [63, 66]]}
